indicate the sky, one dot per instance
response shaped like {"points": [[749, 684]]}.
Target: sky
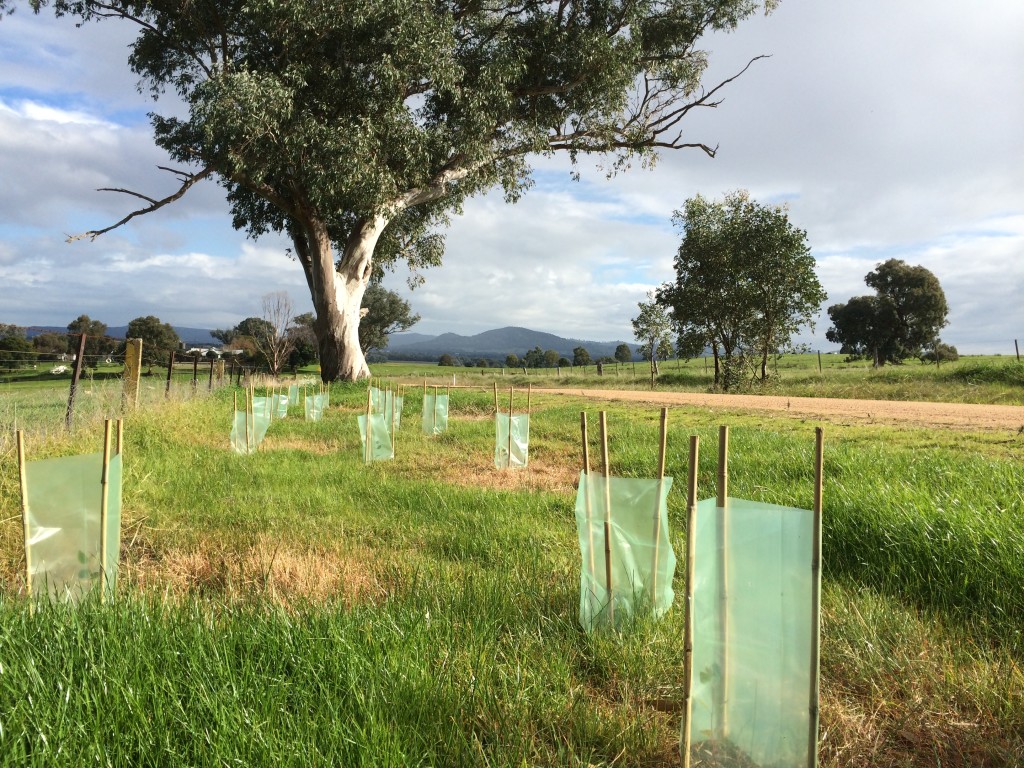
{"points": [[891, 130]]}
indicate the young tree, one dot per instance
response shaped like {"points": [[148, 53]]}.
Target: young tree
{"points": [[550, 358], [158, 338], [513, 361], [580, 356], [358, 129], [903, 317], [273, 338], [745, 281], [385, 312], [623, 353], [653, 329]]}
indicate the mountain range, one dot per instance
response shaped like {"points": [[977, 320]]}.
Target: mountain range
{"points": [[496, 344], [493, 345]]}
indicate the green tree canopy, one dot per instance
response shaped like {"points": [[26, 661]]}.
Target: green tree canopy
{"points": [[623, 353], [653, 329], [745, 281], [386, 313], [158, 338], [357, 129], [15, 349], [580, 356], [902, 319], [97, 343]]}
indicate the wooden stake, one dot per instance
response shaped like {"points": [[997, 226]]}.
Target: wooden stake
{"points": [[23, 478], [75, 375], [510, 401], [607, 518], [170, 370], [529, 397], [495, 398], [104, 504], [367, 449], [586, 493], [433, 425], [120, 436], [249, 411], [657, 504], [392, 393], [723, 597], [691, 521], [812, 737]]}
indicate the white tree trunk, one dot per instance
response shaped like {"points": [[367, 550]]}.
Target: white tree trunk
{"points": [[337, 298]]}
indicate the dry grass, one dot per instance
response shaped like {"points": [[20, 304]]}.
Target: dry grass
{"points": [[263, 569]]}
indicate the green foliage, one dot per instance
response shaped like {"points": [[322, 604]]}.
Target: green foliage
{"points": [[386, 313], [15, 349], [745, 281], [512, 361], [158, 338], [97, 343], [446, 360], [903, 317], [623, 353], [534, 358], [653, 329], [50, 346], [580, 356]]}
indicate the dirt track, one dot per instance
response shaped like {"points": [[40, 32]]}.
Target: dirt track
{"points": [[957, 415]]}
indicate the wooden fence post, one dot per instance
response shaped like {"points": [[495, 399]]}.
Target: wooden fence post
{"points": [[79, 361]]}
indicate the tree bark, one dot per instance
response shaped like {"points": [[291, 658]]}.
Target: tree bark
{"points": [[337, 293]]}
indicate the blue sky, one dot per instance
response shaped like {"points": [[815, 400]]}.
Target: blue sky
{"points": [[891, 130]]}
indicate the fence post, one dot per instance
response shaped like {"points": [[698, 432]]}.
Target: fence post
{"points": [[79, 361], [132, 372], [170, 368]]}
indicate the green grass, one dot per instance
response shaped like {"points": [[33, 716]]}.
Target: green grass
{"points": [[297, 607]]}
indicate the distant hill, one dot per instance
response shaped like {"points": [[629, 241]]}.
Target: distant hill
{"points": [[493, 345]]}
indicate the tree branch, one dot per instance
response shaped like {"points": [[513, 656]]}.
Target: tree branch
{"points": [[189, 181]]}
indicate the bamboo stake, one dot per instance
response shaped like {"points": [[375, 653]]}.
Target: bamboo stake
{"points": [[104, 504], [23, 479], [607, 519], [529, 397], [586, 494], [393, 402], [510, 401], [120, 435], [495, 398], [691, 521], [657, 505], [367, 449], [812, 737], [723, 596], [249, 411], [433, 425]]}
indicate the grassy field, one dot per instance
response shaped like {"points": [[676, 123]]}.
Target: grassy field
{"points": [[297, 607], [991, 379]]}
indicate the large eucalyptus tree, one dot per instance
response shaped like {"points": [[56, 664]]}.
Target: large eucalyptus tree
{"points": [[356, 127]]}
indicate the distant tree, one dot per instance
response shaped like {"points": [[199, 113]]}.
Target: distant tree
{"points": [[158, 339], [653, 329], [15, 349], [446, 360], [513, 361], [304, 350], [623, 353], [745, 282], [550, 358], [385, 312], [564, 362], [273, 339], [483, 362], [941, 353], [50, 346], [97, 344], [580, 356], [534, 358], [901, 320]]}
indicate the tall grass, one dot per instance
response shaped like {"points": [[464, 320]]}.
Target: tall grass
{"points": [[299, 607]]}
